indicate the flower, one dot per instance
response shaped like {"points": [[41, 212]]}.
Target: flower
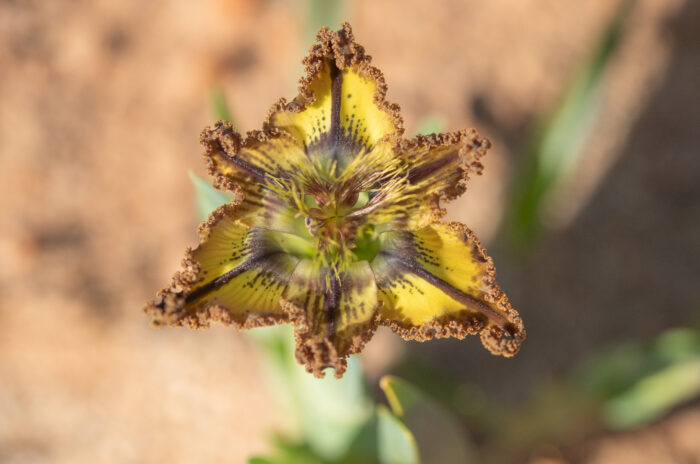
{"points": [[335, 224]]}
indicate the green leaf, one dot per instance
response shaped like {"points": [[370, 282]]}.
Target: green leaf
{"points": [[287, 452], [259, 460], [207, 197], [654, 395], [668, 375], [333, 410], [396, 444], [431, 124], [329, 412], [555, 149], [614, 370], [439, 434], [401, 396], [219, 105], [322, 13], [364, 448], [678, 345], [640, 383]]}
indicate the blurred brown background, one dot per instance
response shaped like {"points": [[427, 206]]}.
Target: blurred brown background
{"points": [[101, 105]]}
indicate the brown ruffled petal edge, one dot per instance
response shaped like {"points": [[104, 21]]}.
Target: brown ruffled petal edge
{"points": [[498, 341], [504, 341], [222, 145], [168, 308], [472, 147], [339, 46], [318, 354]]}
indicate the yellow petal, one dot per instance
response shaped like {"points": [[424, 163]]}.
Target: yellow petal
{"points": [[341, 109], [408, 182], [334, 316], [439, 282], [437, 169], [236, 275], [253, 170], [260, 158]]}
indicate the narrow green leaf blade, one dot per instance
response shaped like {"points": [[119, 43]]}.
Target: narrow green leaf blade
{"points": [[439, 434], [207, 197], [329, 412], [638, 383], [396, 444], [259, 460], [322, 13], [288, 452], [555, 149], [654, 395], [431, 124], [332, 410], [220, 106]]}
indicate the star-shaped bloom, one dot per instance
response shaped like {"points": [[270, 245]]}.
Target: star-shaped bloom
{"points": [[335, 224]]}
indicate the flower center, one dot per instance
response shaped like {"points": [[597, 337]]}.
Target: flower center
{"points": [[338, 236]]}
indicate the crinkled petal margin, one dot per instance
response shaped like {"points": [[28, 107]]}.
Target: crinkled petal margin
{"points": [[252, 162], [438, 168], [333, 315], [441, 163], [339, 51], [171, 305], [439, 282]]}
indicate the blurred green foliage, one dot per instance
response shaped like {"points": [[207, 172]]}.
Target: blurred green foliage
{"points": [[439, 434], [639, 384], [555, 148], [396, 443], [320, 13], [220, 106], [329, 412], [431, 124], [207, 197]]}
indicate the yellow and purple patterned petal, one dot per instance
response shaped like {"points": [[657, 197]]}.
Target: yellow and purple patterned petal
{"points": [[236, 275], [334, 313], [341, 109], [437, 169], [439, 282]]}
